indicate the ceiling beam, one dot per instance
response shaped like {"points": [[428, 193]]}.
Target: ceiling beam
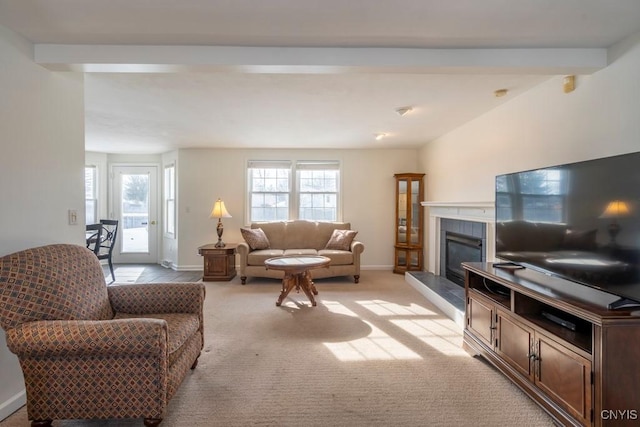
{"points": [[148, 59]]}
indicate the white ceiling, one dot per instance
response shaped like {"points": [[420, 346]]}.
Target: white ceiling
{"points": [[338, 105]]}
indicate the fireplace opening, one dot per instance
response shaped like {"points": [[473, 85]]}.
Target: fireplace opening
{"points": [[460, 248]]}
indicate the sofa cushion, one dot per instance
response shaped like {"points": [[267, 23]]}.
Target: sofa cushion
{"points": [[180, 327], [294, 252], [301, 234], [325, 230], [583, 240], [337, 257], [534, 236], [275, 232], [255, 238], [341, 240], [261, 255]]}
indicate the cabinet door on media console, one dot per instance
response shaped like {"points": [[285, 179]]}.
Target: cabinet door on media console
{"points": [[515, 344], [564, 375], [480, 315]]}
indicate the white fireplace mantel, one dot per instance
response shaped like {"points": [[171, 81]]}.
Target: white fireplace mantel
{"points": [[467, 211]]}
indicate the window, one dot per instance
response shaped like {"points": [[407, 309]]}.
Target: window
{"points": [[269, 190], [91, 194], [273, 196], [318, 190], [533, 196], [170, 200], [543, 194]]}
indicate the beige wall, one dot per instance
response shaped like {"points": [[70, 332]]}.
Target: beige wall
{"points": [[41, 169], [203, 175], [541, 127], [367, 195]]}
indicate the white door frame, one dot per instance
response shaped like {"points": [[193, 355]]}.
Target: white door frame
{"points": [[154, 213]]}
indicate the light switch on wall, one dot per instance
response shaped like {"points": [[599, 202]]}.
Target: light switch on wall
{"points": [[73, 217]]}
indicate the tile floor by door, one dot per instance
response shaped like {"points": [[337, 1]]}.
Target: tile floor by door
{"points": [[148, 273]]}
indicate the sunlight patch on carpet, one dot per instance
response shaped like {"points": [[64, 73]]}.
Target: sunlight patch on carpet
{"points": [[436, 334], [377, 346], [384, 308], [338, 308]]}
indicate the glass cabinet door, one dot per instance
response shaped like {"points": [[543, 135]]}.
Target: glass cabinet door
{"points": [[414, 205], [409, 222], [402, 209]]}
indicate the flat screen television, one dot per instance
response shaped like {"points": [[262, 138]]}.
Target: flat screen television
{"points": [[578, 221]]}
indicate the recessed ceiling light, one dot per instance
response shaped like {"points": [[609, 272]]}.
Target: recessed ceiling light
{"points": [[403, 110], [379, 136]]}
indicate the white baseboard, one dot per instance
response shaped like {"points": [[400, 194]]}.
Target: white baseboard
{"points": [[186, 267], [14, 403], [376, 267]]}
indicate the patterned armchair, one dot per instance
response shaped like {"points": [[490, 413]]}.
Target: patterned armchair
{"points": [[88, 350]]}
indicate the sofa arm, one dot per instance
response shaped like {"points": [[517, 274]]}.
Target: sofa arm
{"points": [[243, 250], [146, 298], [64, 338], [357, 247]]}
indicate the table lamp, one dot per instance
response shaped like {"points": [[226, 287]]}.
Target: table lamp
{"points": [[614, 210], [219, 211]]}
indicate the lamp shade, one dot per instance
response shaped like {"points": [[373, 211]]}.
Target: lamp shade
{"points": [[219, 210], [616, 209]]}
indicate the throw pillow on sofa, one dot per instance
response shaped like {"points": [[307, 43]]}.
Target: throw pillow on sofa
{"points": [[255, 238], [341, 240]]}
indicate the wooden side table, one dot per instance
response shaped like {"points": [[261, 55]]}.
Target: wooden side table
{"points": [[219, 263]]}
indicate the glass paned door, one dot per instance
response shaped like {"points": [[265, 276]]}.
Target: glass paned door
{"points": [[135, 206]]}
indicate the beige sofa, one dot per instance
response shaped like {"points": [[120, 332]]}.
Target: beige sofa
{"points": [[299, 237]]}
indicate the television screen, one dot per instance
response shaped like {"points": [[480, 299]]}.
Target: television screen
{"points": [[579, 221]]}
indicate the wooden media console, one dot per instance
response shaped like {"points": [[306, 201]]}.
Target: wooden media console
{"points": [[558, 342]]}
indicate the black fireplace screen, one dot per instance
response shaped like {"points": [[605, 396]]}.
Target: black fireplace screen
{"points": [[460, 248]]}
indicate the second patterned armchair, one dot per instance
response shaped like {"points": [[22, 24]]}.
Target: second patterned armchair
{"points": [[88, 350]]}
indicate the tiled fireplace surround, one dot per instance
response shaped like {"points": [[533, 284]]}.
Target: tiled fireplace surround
{"points": [[448, 296]]}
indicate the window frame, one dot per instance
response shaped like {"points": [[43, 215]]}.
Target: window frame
{"points": [[293, 192], [169, 196], [316, 166], [94, 192]]}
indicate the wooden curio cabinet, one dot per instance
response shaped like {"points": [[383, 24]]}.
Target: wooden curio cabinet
{"points": [[409, 222]]}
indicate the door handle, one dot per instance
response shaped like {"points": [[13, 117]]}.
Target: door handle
{"points": [[153, 223]]}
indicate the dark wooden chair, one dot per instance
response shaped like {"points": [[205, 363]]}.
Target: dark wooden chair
{"points": [[101, 239], [94, 235]]}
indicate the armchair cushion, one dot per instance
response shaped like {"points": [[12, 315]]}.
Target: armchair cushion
{"points": [[180, 327], [53, 284]]}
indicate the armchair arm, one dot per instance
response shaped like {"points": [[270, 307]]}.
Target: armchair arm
{"points": [[63, 338], [146, 298]]}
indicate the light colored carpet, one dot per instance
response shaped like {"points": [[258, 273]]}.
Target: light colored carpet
{"points": [[374, 353]]}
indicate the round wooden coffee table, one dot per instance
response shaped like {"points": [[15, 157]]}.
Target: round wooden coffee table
{"points": [[296, 273]]}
